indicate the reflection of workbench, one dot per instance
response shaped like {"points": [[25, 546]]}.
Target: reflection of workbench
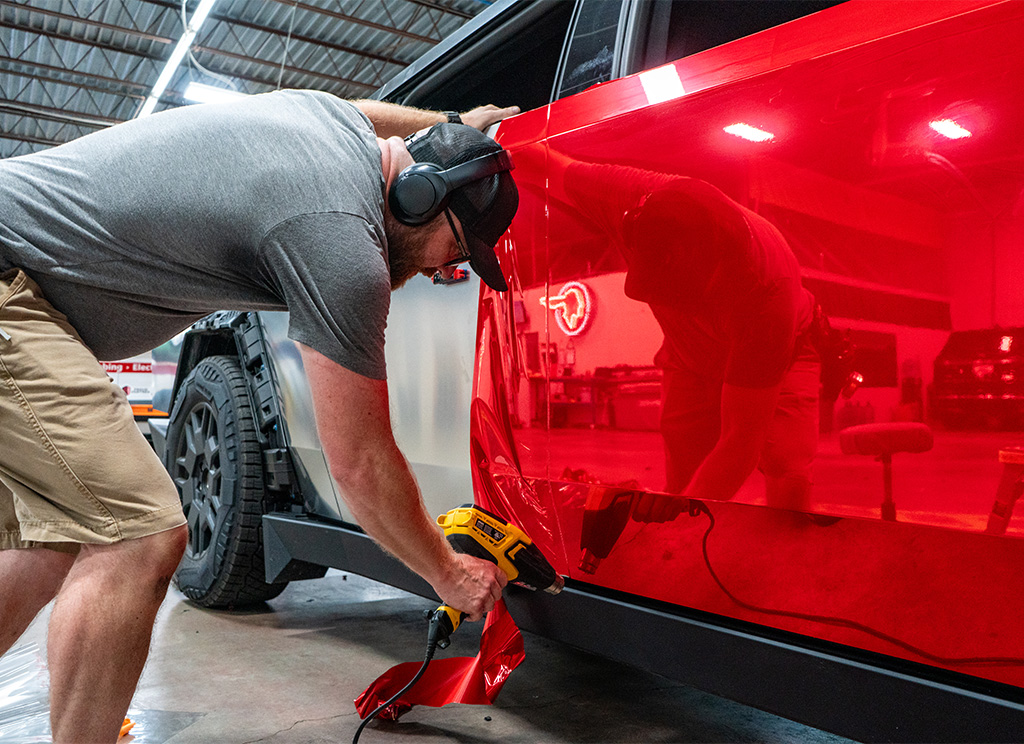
{"points": [[613, 397], [575, 401]]}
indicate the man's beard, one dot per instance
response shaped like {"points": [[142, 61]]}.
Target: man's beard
{"points": [[407, 247]]}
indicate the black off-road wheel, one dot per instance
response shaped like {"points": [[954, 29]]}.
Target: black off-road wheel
{"points": [[215, 460]]}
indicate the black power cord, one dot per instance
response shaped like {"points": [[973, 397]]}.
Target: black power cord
{"points": [[437, 637], [699, 507]]}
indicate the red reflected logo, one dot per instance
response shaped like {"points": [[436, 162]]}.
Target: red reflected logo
{"points": [[573, 306]]}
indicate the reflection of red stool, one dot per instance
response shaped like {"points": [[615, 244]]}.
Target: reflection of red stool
{"points": [[883, 441], [1010, 489]]}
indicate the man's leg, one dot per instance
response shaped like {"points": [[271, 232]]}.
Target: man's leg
{"points": [[100, 632], [29, 579], [79, 471], [787, 458], [690, 424]]}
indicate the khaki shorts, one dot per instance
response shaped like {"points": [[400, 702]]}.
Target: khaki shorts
{"points": [[74, 467]]}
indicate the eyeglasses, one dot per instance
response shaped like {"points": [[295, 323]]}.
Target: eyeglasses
{"points": [[463, 253]]}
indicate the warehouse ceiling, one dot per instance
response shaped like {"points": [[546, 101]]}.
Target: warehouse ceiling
{"points": [[71, 67]]}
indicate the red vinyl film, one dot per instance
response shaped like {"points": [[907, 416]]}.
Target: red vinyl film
{"points": [[473, 680]]}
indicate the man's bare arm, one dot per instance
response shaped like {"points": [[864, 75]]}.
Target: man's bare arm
{"points": [[747, 414], [746, 417], [375, 480], [392, 120]]}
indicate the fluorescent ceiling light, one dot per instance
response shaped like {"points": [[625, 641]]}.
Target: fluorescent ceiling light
{"points": [[201, 93], [949, 128], [748, 132], [177, 55], [662, 84], [200, 15]]}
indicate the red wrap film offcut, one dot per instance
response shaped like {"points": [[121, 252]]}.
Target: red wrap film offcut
{"points": [[476, 680]]}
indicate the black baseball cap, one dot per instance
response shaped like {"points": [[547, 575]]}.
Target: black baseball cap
{"points": [[485, 207]]}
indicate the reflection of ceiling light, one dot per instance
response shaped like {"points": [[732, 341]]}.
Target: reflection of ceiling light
{"points": [[201, 93], [661, 84], [949, 128], [748, 132]]}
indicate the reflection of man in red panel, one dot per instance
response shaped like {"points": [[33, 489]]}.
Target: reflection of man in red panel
{"points": [[741, 377]]}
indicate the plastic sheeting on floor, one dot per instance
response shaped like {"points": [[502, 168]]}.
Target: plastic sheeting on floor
{"points": [[24, 698]]}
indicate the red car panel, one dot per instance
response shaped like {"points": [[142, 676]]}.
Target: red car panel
{"points": [[885, 213]]}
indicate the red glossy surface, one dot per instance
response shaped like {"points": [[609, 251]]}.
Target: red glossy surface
{"points": [[901, 233], [473, 680]]}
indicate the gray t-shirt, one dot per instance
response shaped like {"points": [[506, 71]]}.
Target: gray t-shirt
{"points": [[271, 203]]}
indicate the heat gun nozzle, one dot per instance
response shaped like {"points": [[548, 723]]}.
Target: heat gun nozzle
{"points": [[557, 586]]}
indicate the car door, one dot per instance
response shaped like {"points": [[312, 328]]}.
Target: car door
{"points": [[837, 130]]}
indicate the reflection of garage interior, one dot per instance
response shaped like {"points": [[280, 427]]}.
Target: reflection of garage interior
{"points": [[914, 272]]}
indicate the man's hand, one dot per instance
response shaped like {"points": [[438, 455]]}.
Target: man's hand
{"points": [[484, 116], [472, 585], [392, 120]]}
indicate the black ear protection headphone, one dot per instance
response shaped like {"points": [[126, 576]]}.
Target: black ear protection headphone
{"points": [[421, 191]]}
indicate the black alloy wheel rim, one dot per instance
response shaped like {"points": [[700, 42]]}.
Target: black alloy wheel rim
{"points": [[198, 477]]}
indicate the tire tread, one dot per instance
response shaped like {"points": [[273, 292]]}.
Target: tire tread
{"points": [[240, 578]]}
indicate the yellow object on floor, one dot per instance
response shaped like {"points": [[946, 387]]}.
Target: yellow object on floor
{"points": [[126, 726]]}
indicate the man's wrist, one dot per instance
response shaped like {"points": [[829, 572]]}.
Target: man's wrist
{"points": [[442, 563], [453, 117]]}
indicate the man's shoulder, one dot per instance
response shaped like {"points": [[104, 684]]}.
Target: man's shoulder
{"points": [[319, 103]]}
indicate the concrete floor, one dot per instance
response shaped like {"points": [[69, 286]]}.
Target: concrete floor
{"points": [[287, 673]]}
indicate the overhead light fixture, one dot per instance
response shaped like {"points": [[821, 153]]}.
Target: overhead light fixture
{"points": [[747, 132], [662, 84], [202, 93], [200, 15], [949, 128]]}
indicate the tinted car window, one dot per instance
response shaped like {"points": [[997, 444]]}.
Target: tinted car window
{"points": [[591, 54], [513, 65], [683, 27]]}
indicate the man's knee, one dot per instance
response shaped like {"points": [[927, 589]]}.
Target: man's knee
{"points": [[151, 559], [158, 557], [171, 547]]}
